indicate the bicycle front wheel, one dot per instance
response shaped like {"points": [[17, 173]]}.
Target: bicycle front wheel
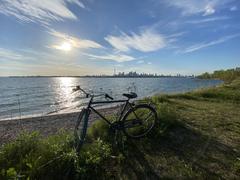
{"points": [[80, 130], [139, 120]]}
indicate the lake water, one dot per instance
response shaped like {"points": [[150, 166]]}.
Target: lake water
{"points": [[40, 96]]}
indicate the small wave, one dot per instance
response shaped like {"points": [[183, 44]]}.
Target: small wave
{"points": [[8, 105]]}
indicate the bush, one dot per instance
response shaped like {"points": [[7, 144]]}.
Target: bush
{"points": [[34, 157], [99, 129], [31, 156], [92, 159]]}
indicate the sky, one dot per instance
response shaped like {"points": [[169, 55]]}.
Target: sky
{"points": [[87, 37]]}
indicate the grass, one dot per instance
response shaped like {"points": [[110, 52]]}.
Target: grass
{"points": [[225, 92], [197, 136]]}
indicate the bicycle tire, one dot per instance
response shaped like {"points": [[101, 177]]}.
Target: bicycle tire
{"points": [[134, 121], [80, 130]]}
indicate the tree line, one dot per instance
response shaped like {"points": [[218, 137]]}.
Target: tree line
{"points": [[226, 75]]}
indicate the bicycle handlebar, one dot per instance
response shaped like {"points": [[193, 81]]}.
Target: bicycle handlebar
{"points": [[107, 96]]}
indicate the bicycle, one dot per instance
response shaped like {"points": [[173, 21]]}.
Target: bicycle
{"points": [[135, 121]]}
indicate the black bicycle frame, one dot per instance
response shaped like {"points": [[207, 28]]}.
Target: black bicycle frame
{"points": [[91, 102]]}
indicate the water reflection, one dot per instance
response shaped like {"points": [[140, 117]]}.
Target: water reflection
{"points": [[64, 92], [66, 85]]}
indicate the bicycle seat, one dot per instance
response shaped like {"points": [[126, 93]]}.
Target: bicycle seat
{"points": [[130, 95]]}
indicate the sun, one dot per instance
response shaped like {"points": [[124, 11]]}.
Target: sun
{"points": [[65, 46]]}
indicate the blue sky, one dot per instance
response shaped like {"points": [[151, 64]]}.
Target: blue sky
{"points": [[79, 37]]}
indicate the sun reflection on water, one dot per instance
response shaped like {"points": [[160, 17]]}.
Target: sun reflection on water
{"points": [[65, 96], [66, 85]]}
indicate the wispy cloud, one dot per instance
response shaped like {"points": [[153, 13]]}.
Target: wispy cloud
{"points": [[115, 57], [74, 41], [206, 20], [146, 41], [6, 54], [43, 11], [204, 7], [209, 9], [207, 44], [233, 8]]}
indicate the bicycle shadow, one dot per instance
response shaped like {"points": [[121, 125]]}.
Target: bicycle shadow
{"points": [[139, 165], [200, 152]]}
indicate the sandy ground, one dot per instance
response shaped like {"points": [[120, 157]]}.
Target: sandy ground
{"points": [[46, 125]]}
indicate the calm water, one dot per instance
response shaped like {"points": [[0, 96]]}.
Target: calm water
{"points": [[41, 96]]}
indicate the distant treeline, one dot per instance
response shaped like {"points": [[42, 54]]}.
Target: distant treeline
{"points": [[226, 75]]}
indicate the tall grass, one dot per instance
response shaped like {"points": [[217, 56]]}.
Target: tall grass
{"points": [[225, 92]]}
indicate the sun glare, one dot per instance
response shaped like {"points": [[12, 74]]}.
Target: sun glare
{"points": [[65, 46]]}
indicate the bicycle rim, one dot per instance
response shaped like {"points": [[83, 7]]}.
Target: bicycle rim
{"points": [[139, 121]]}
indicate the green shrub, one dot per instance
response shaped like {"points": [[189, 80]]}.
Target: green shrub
{"points": [[34, 157], [99, 129], [92, 159]]}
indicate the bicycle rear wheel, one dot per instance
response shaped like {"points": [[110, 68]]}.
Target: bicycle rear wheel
{"points": [[80, 130], [139, 120]]}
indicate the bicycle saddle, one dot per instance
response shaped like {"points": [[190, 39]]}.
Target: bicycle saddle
{"points": [[130, 95]]}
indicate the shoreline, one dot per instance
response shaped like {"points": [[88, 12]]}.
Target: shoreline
{"points": [[49, 124], [45, 125]]}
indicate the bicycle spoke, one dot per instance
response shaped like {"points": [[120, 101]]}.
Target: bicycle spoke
{"points": [[139, 121], [148, 117], [132, 123]]}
